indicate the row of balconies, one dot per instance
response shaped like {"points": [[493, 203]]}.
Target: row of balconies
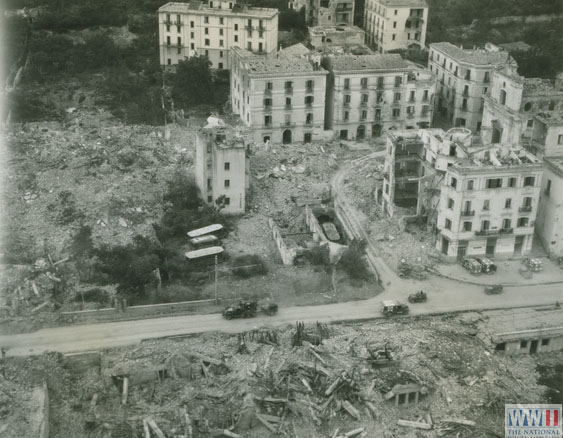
{"points": [[288, 124], [289, 90], [287, 107]]}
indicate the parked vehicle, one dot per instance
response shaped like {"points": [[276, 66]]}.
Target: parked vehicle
{"points": [[418, 297], [494, 289], [249, 309], [472, 265], [487, 265], [533, 264], [392, 307]]}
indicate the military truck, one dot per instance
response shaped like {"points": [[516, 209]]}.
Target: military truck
{"points": [[249, 309], [392, 307]]}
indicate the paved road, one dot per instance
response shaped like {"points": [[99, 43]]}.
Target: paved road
{"points": [[443, 297]]}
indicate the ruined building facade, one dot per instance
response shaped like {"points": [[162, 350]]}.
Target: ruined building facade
{"points": [[395, 24], [329, 12], [464, 79], [525, 111], [211, 29], [281, 99], [371, 94], [222, 167], [549, 226], [488, 204]]}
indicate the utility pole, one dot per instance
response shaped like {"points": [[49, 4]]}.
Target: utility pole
{"points": [[216, 297]]}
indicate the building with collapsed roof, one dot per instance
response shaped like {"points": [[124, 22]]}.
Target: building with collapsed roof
{"points": [[549, 224], [488, 203], [395, 24], [328, 12], [222, 166], [211, 29], [322, 36], [282, 99], [371, 94], [521, 110], [464, 78], [409, 180]]}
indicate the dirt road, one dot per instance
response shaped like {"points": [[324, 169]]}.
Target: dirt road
{"points": [[444, 297]]}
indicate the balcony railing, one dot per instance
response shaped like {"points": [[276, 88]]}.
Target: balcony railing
{"points": [[288, 106], [309, 90], [288, 90], [268, 92], [410, 115], [268, 125], [468, 213], [287, 123], [268, 108], [525, 209], [380, 85], [494, 232]]}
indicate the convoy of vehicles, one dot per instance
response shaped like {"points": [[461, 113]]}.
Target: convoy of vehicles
{"points": [[249, 309]]}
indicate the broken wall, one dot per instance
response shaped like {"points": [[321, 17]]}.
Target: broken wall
{"points": [[287, 254]]}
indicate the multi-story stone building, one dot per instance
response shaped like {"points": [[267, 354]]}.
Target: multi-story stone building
{"points": [[521, 110], [329, 12], [281, 99], [326, 36], [464, 79], [222, 166], [488, 204], [371, 94], [395, 24], [547, 136], [211, 29], [549, 223]]}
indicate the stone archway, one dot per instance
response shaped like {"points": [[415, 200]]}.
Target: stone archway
{"points": [[286, 137], [361, 132], [376, 130]]}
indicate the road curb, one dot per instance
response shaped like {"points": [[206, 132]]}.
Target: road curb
{"points": [[461, 280]]}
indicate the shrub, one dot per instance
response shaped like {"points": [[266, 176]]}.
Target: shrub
{"points": [[318, 255], [352, 261], [247, 266]]}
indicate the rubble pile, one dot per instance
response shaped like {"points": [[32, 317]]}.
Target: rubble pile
{"points": [[360, 186], [387, 378]]}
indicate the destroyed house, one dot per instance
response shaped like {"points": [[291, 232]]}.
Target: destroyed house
{"points": [[222, 167], [407, 175]]}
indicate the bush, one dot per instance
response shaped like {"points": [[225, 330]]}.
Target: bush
{"points": [[318, 256], [247, 266], [352, 261]]}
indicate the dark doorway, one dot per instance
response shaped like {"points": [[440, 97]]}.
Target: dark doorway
{"points": [[534, 346], [491, 246], [308, 137], [361, 133], [445, 245], [518, 245], [287, 136], [461, 250], [497, 135], [376, 130], [343, 134]]}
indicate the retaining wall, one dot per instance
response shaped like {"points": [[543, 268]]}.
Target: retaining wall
{"points": [[287, 254]]}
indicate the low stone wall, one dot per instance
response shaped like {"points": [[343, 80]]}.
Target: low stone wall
{"points": [[287, 254], [314, 226], [137, 311]]}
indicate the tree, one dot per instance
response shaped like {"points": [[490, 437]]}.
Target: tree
{"points": [[192, 82]]}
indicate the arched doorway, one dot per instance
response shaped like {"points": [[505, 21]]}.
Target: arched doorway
{"points": [[287, 136], [376, 130], [361, 133]]}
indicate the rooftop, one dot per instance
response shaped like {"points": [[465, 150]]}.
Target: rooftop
{"points": [[503, 326], [539, 87], [409, 3], [295, 50], [552, 118], [327, 30], [555, 163], [472, 56], [369, 62], [497, 158], [198, 6], [281, 64]]}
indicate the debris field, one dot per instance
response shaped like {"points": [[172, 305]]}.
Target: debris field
{"points": [[411, 377]]}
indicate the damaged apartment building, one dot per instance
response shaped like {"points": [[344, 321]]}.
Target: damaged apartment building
{"points": [[222, 166], [282, 99], [464, 79], [328, 12], [395, 24], [371, 94], [211, 28], [409, 180], [327, 36], [525, 111], [488, 203]]}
